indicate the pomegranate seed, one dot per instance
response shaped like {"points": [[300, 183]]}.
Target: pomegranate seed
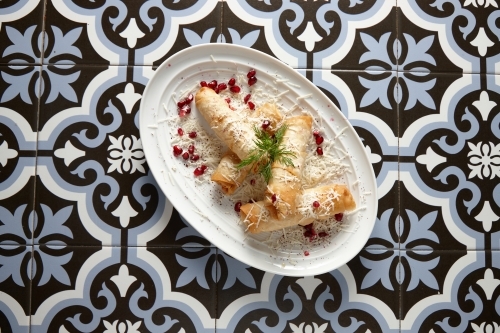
{"points": [[237, 206], [265, 124], [189, 98], [319, 140], [231, 81], [182, 113], [306, 253], [251, 106], [195, 157], [193, 135], [228, 100], [203, 167], [310, 232], [222, 86], [198, 171], [252, 182], [191, 149], [323, 234], [203, 84], [181, 103], [177, 150], [316, 133], [180, 131], [247, 98], [185, 155], [316, 204], [319, 151], [235, 89], [186, 109], [212, 84], [252, 81], [339, 217], [273, 198], [251, 73]]}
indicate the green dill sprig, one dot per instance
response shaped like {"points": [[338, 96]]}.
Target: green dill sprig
{"points": [[268, 149]]}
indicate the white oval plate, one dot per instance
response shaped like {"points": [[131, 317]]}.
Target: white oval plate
{"points": [[218, 223]]}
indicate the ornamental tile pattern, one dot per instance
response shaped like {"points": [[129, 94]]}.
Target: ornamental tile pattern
{"points": [[89, 243]]}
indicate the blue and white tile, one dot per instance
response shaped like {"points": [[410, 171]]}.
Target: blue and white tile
{"points": [[339, 301], [21, 35], [15, 286], [460, 294], [311, 34], [449, 159], [122, 289], [133, 33], [464, 32]]}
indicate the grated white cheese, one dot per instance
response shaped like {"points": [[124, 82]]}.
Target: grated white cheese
{"points": [[318, 170], [303, 97]]}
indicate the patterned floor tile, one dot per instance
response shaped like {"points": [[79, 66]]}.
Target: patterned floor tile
{"points": [[18, 121], [120, 289], [345, 300], [15, 285], [455, 291], [449, 36], [21, 24], [313, 34], [448, 164], [135, 33]]}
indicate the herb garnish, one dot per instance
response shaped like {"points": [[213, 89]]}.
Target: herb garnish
{"points": [[268, 149]]}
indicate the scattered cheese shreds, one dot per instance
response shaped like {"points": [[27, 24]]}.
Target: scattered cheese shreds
{"points": [[318, 170]]}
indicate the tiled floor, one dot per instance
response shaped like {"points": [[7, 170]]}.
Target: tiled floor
{"points": [[418, 79]]}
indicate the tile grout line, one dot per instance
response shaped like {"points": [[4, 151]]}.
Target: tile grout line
{"points": [[44, 12], [400, 298]]}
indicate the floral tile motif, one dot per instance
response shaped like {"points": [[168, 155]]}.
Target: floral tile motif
{"points": [[313, 34], [450, 161], [89, 243], [113, 289], [15, 283], [461, 33], [21, 24], [459, 294], [136, 33], [331, 302]]}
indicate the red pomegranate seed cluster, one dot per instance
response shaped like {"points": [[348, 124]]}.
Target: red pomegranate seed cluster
{"points": [[318, 138], [184, 106], [252, 79], [189, 154], [339, 217], [200, 170], [311, 233]]}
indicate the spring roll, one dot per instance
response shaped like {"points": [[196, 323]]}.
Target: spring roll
{"points": [[286, 181], [238, 135], [332, 199], [227, 175]]}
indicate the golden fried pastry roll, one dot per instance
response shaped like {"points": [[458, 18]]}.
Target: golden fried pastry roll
{"points": [[271, 113], [238, 135], [227, 175], [319, 203], [286, 181]]}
